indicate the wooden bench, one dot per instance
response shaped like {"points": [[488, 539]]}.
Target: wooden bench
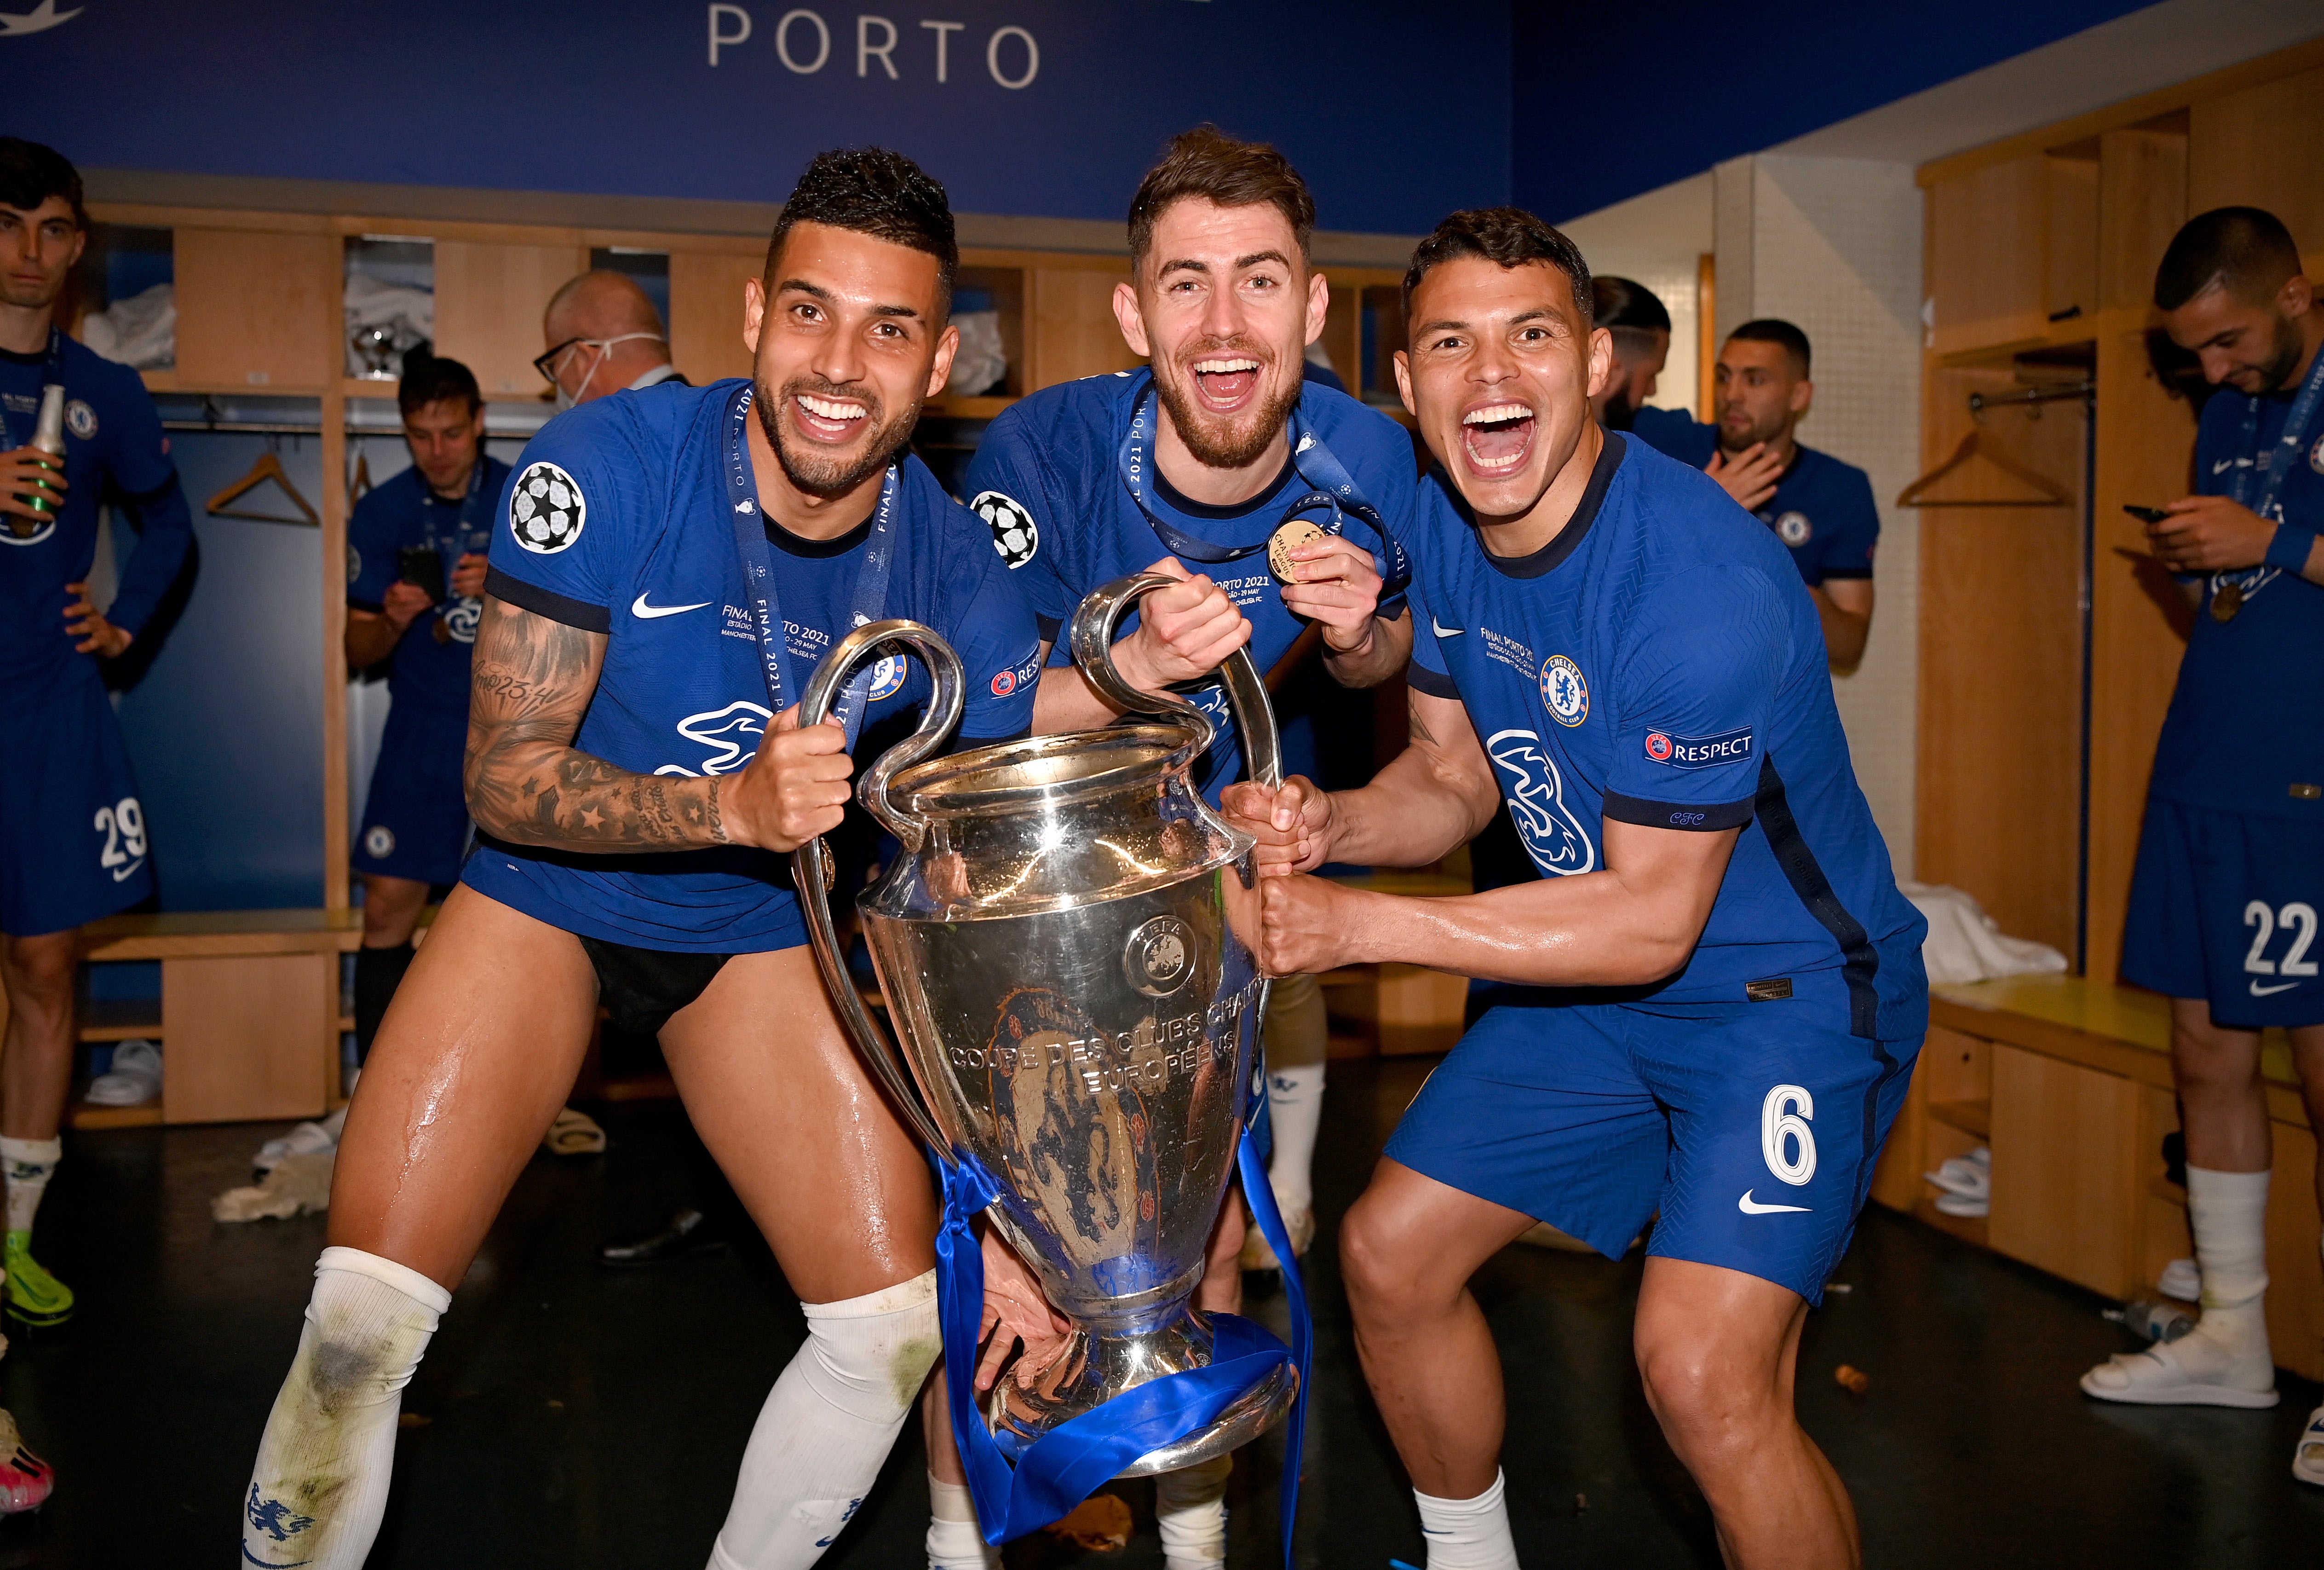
{"points": [[249, 1018], [2068, 1082]]}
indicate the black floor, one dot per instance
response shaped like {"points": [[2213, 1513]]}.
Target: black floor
{"points": [[575, 1416]]}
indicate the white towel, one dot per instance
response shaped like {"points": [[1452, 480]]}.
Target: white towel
{"points": [[1966, 945]]}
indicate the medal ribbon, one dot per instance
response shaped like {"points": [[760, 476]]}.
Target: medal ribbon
{"points": [[1065, 1465], [1330, 488], [2273, 466], [759, 583]]}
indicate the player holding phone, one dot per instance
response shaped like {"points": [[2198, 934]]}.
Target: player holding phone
{"points": [[415, 591]]}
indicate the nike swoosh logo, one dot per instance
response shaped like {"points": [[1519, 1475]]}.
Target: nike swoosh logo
{"points": [[1749, 1207], [646, 612], [131, 871], [2260, 991], [1442, 630]]}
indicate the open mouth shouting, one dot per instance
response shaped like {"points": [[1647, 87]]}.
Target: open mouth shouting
{"points": [[1226, 382], [1497, 437], [834, 421]]}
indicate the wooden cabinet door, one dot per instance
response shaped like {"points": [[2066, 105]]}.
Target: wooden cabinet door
{"points": [[2066, 1173], [249, 1036], [1988, 248], [256, 309], [1074, 333], [705, 314], [2263, 147], [488, 303]]}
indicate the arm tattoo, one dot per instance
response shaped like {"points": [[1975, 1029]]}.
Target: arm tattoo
{"points": [[527, 782]]}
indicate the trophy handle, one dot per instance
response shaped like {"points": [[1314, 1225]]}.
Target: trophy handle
{"points": [[811, 864], [1093, 646]]}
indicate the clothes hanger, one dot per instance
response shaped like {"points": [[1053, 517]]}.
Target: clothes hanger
{"points": [[2047, 493], [269, 467], [360, 481]]}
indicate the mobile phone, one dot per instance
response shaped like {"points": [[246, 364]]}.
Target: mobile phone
{"points": [[422, 566], [2145, 514]]}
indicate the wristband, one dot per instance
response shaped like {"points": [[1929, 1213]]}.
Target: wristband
{"points": [[2290, 547]]}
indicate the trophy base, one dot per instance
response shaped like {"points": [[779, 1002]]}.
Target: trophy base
{"points": [[1099, 1365]]}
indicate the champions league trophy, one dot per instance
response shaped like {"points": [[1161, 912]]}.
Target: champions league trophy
{"points": [[1063, 943]]}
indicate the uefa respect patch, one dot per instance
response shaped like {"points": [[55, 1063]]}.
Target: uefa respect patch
{"points": [[1699, 752]]}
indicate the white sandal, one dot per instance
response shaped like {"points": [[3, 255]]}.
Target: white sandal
{"points": [[2157, 1378], [2308, 1456]]}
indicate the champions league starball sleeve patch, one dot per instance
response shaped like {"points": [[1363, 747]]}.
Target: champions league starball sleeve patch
{"points": [[1015, 535], [546, 510]]}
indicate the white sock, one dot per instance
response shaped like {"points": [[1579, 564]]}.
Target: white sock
{"points": [[1190, 1506], [2228, 1212], [955, 1540], [828, 1425], [1298, 1038], [30, 1164], [1468, 1534], [320, 1485]]}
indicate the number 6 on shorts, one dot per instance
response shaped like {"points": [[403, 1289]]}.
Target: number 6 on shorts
{"points": [[1785, 1112]]}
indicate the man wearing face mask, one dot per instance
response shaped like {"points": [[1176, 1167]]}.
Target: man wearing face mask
{"points": [[1820, 508], [603, 336], [1275, 504]]}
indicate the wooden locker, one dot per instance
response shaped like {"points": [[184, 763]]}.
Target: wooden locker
{"points": [[705, 313], [2263, 147], [1989, 249], [1074, 333], [489, 299], [256, 309], [2065, 1170], [248, 1036], [2141, 202]]}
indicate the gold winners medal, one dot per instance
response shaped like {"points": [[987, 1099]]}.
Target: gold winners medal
{"points": [[2226, 601], [1297, 532]]}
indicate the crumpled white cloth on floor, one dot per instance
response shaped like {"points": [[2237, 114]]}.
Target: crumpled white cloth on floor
{"points": [[1966, 945], [981, 360], [140, 332]]}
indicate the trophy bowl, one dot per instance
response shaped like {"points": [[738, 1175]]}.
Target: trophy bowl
{"points": [[1062, 944]]}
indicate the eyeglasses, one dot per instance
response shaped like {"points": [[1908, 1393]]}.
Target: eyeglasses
{"points": [[547, 364]]}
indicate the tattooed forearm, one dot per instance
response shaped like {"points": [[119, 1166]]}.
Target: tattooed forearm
{"points": [[526, 781]]}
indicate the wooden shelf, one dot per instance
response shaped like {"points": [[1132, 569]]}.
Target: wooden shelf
{"points": [[120, 1019], [1967, 1228], [82, 1115], [1971, 1117], [949, 408]]}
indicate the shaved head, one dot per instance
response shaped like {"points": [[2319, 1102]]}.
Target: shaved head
{"points": [[600, 305]]}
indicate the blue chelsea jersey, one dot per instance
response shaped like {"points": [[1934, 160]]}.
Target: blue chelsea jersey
{"points": [[1658, 663], [114, 452], [628, 533], [1047, 480], [401, 511], [2244, 732], [1822, 509]]}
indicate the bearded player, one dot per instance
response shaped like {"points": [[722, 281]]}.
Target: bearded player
{"points": [[1268, 497], [637, 771], [1605, 641]]}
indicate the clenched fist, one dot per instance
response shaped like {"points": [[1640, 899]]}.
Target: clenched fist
{"points": [[1293, 824], [1183, 630], [795, 789]]}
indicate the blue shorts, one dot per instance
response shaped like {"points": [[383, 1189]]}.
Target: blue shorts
{"points": [[73, 843], [2224, 906], [416, 817], [1753, 1128]]}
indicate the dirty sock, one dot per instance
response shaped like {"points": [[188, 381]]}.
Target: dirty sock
{"points": [[320, 1485], [1468, 1534], [955, 1542], [30, 1164], [1190, 1507], [828, 1424]]}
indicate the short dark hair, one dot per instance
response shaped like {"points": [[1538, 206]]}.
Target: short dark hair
{"points": [[872, 190], [1773, 329], [31, 173], [1207, 162], [2247, 251], [1624, 302], [433, 379], [1510, 236]]}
